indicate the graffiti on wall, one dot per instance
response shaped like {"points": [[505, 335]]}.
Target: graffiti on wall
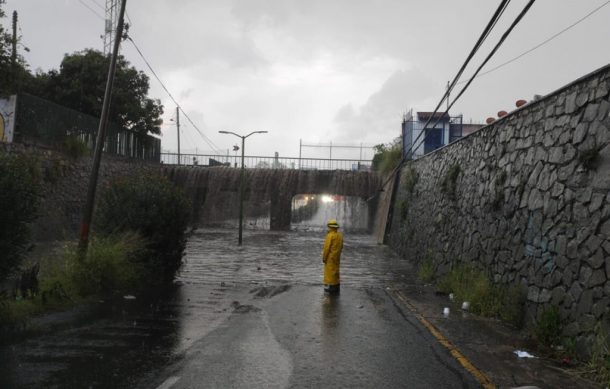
{"points": [[7, 118]]}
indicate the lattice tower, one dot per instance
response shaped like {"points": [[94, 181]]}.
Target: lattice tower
{"points": [[110, 24]]}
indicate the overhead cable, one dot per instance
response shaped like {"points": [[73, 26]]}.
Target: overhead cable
{"points": [[205, 138], [549, 39], [486, 31], [491, 54]]}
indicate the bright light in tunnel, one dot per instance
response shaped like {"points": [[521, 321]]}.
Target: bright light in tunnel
{"points": [[327, 199]]}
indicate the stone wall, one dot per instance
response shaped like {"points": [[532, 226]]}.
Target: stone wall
{"points": [[214, 191], [64, 186], [526, 198]]}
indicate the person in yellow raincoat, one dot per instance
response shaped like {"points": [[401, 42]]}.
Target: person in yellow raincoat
{"points": [[331, 256]]}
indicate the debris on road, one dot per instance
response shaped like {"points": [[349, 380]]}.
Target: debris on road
{"points": [[523, 354]]}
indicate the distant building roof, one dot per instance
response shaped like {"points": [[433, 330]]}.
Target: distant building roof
{"points": [[427, 115]]}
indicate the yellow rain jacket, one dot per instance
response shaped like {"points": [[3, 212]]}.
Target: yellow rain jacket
{"points": [[331, 256]]}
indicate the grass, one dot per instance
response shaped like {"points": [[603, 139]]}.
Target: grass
{"points": [[112, 267], [486, 299], [599, 363], [547, 330], [426, 270]]}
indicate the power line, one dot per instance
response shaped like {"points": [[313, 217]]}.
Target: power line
{"points": [[486, 31], [490, 26], [205, 138], [543, 42], [98, 5], [91, 9], [491, 54]]}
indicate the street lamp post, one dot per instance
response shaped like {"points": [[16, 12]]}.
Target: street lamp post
{"points": [[241, 178]]}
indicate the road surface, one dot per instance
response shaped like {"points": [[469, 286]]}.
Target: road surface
{"points": [[246, 317]]}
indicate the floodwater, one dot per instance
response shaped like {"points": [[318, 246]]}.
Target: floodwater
{"points": [[131, 343]]}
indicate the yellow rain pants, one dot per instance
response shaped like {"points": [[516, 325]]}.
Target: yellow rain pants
{"points": [[331, 256]]}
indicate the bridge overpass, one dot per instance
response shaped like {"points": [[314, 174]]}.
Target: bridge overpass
{"points": [[213, 189]]}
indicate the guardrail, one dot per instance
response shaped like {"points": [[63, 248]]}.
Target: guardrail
{"points": [[261, 162]]}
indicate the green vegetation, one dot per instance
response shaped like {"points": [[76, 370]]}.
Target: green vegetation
{"points": [[426, 270], [154, 208], [599, 363], [113, 266], [547, 330], [80, 82], [449, 183], [410, 177], [19, 191], [486, 299], [75, 147], [387, 156], [590, 158]]}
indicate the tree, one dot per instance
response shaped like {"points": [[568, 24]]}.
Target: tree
{"points": [[387, 156], [80, 83]]}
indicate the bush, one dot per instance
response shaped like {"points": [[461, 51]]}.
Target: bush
{"points": [[387, 157], [19, 191], [153, 207]]}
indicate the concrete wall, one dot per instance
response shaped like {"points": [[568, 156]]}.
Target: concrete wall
{"points": [[65, 181], [531, 203]]}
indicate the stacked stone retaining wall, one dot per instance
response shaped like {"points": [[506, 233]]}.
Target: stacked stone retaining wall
{"points": [[64, 186], [525, 198]]}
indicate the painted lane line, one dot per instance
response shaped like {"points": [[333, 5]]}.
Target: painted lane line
{"points": [[168, 383], [455, 353]]}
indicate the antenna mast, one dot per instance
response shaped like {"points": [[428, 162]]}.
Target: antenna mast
{"points": [[110, 24]]}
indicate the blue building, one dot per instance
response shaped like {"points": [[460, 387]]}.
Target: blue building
{"points": [[447, 129]]}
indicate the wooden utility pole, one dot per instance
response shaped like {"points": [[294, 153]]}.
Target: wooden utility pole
{"points": [[99, 143]]}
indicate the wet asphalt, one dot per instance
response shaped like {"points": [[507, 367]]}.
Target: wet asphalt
{"points": [[245, 317]]}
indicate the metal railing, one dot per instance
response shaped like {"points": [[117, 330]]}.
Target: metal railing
{"points": [[261, 162]]}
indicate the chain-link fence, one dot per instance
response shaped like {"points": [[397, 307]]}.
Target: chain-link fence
{"points": [[41, 121]]}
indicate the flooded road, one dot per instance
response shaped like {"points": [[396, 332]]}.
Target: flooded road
{"points": [[245, 317]]}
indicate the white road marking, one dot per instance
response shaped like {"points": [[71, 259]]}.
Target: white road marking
{"points": [[168, 383]]}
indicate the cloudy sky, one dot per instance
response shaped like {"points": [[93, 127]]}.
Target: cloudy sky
{"points": [[341, 71]]}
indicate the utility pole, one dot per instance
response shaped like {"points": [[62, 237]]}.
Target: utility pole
{"points": [[178, 131], [14, 53], [448, 85], [99, 143]]}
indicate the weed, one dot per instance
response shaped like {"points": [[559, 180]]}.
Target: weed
{"points": [[470, 284], [426, 270], [75, 147], [600, 356], [449, 183], [547, 330], [410, 177], [590, 158]]}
